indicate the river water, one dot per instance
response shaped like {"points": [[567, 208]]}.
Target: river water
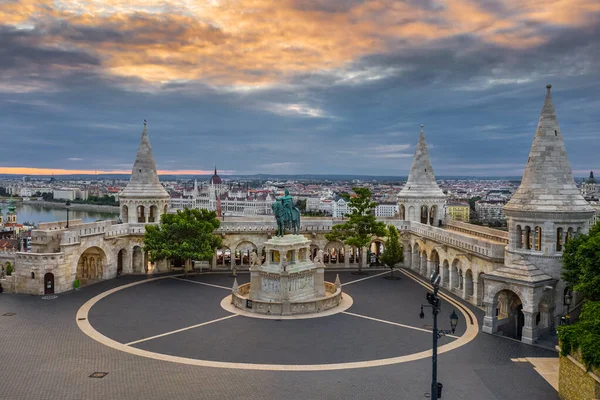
{"points": [[34, 213]]}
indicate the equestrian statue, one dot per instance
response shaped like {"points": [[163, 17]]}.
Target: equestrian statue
{"points": [[287, 216]]}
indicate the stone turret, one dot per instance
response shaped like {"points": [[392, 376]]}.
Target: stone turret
{"points": [[544, 213], [144, 199], [421, 199], [548, 208], [11, 215]]}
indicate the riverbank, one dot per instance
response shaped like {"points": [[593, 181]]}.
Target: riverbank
{"points": [[74, 206]]}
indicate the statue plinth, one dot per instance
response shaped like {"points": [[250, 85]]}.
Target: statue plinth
{"points": [[289, 282]]}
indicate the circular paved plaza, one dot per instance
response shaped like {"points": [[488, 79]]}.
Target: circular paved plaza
{"points": [[174, 337]]}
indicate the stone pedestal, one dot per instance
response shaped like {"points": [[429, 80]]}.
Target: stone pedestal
{"points": [[288, 282]]}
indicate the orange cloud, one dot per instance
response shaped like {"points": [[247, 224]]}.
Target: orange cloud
{"points": [[58, 171], [260, 42]]}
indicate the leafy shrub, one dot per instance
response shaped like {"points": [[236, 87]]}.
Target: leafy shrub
{"points": [[583, 336], [9, 269], [76, 284]]}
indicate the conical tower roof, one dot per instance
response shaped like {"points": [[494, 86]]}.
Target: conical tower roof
{"points": [[547, 184], [144, 181], [421, 180]]}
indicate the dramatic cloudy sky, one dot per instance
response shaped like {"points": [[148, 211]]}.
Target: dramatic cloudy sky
{"points": [[295, 86]]}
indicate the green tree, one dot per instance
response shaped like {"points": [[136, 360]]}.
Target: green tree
{"points": [[187, 235], [392, 253], [581, 263], [361, 226], [301, 205]]}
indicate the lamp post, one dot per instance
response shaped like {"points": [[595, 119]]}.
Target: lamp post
{"points": [[434, 303], [67, 205], [567, 301]]}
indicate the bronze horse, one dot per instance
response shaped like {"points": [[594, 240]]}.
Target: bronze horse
{"points": [[283, 223]]}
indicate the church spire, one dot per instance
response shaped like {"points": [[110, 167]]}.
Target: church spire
{"points": [[421, 179], [547, 183]]}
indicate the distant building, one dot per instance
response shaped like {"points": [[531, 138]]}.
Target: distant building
{"points": [[459, 211], [488, 211], [589, 188], [386, 209], [70, 194]]}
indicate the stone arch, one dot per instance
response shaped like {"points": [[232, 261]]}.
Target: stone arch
{"points": [[402, 212], [332, 252], [243, 251], [416, 257], [510, 313], [166, 209], [376, 249], [91, 265], [519, 237]]}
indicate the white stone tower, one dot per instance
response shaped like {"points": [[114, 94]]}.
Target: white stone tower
{"points": [[543, 214], [421, 199], [144, 199]]}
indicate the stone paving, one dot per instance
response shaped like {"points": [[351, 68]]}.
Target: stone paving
{"points": [[44, 355]]}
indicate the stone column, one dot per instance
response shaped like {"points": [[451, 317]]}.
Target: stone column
{"points": [[407, 256], [475, 299], [346, 257], [490, 321], [285, 301], [451, 279], [415, 260], [443, 273], [213, 264], [530, 331], [431, 266]]}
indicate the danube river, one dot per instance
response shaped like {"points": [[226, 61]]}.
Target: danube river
{"points": [[36, 213]]}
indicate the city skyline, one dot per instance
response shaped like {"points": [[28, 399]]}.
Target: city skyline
{"points": [[306, 87]]}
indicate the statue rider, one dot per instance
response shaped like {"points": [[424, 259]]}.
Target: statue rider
{"points": [[288, 205]]}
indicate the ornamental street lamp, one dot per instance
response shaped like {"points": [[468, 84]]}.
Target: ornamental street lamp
{"points": [[434, 303], [567, 300], [67, 205]]}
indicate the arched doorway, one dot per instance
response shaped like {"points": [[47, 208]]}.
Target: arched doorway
{"points": [[333, 252], [402, 212], [91, 265], [121, 256], [242, 253], [424, 214], [138, 260], [510, 314], [49, 283], [224, 257]]}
